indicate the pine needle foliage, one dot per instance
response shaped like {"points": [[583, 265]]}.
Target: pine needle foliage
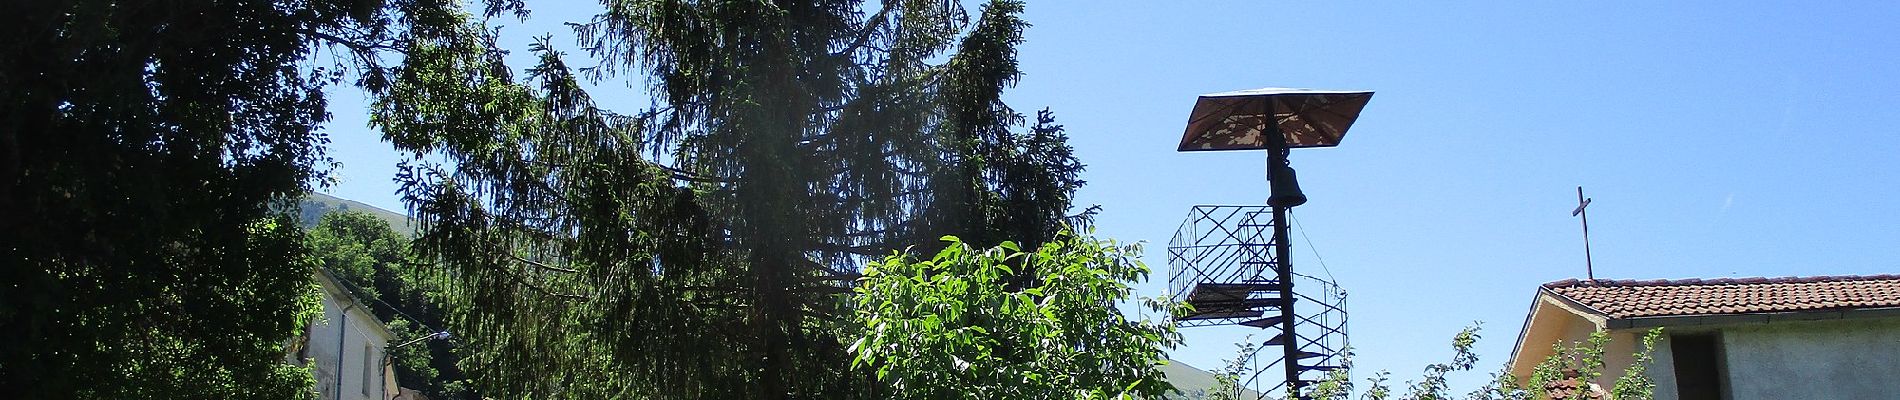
{"points": [[697, 248], [700, 248]]}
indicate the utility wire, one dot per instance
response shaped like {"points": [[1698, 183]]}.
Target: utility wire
{"points": [[359, 289], [1310, 247]]}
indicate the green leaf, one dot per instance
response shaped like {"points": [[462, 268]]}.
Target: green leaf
{"points": [[965, 317]]}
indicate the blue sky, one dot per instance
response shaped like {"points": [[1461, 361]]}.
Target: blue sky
{"points": [[1718, 140]]}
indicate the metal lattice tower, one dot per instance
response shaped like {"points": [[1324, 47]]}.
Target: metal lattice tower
{"points": [[1224, 260]]}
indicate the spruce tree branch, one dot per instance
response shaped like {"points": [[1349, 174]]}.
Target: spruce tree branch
{"points": [[877, 21], [863, 250], [542, 265], [353, 45], [685, 175], [728, 289], [544, 290], [825, 289], [847, 276], [829, 271]]}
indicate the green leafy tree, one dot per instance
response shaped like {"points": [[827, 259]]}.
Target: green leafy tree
{"points": [[363, 251], [1230, 380], [953, 327], [1582, 361], [1635, 383], [1433, 385], [145, 150]]}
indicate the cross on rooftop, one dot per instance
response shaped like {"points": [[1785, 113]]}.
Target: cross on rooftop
{"points": [[1589, 270]]}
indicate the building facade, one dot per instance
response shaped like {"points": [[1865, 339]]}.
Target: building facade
{"points": [[346, 347], [1734, 339]]}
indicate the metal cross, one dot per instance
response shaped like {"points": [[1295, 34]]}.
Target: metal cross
{"points": [[1588, 269]]}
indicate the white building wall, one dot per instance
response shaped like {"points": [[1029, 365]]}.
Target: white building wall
{"points": [[337, 346]]}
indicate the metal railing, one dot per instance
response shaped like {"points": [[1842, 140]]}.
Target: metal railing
{"points": [[1232, 244]]}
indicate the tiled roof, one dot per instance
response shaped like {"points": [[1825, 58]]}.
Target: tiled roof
{"points": [[1573, 388], [1662, 298]]}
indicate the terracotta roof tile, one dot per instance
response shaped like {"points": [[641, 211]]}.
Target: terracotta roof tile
{"points": [[1659, 298], [1573, 388]]}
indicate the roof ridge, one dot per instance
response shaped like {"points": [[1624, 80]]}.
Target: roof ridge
{"points": [[1662, 297], [1573, 282]]}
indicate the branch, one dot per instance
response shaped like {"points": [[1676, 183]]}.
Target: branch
{"points": [[541, 265], [822, 268], [865, 250], [826, 289], [676, 173], [1083, 220], [685, 175], [538, 288], [877, 20], [848, 276], [337, 40], [712, 288]]}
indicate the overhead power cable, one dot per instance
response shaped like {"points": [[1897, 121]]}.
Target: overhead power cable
{"points": [[1310, 247]]}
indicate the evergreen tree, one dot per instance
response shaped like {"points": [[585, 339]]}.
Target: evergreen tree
{"points": [[697, 249]]}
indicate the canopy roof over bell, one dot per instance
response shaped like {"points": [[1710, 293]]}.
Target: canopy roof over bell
{"points": [[1249, 119]]}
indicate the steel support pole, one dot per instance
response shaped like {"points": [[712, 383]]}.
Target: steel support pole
{"points": [[1283, 263]]}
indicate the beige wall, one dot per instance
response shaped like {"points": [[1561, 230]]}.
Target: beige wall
{"points": [[1551, 322], [1618, 354]]}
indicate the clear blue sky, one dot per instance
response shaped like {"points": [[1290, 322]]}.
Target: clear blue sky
{"points": [[1718, 140]]}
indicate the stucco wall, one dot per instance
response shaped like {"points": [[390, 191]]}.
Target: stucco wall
{"points": [[1550, 323], [1618, 354], [1796, 359], [322, 348], [349, 326], [1662, 368], [1838, 359], [1831, 359], [1854, 355]]}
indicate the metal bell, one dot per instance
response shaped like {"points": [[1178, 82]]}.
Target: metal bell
{"points": [[1285, 187]]}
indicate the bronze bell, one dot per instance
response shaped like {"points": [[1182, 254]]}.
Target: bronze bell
{"points": [[1285, 186]]}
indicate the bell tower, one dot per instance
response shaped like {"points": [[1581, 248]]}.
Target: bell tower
{"points": [[1233, 263]]}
